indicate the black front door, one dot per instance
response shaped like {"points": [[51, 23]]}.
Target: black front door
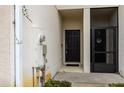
{"points": [[72, 46], [104, 50]]}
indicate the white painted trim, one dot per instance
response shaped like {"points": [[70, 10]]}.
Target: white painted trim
{"points": [[18, 32], [63, 7], [80, 48]]}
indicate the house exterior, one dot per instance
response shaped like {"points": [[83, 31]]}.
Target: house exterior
{"points": [[89, 37]]}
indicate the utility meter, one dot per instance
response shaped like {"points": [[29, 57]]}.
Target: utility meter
{"points": [[44, 50]]}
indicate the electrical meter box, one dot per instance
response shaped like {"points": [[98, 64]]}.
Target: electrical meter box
{"points": [[44, 50]]}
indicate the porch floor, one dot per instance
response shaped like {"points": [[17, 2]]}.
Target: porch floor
{"points": [[89, 79]]}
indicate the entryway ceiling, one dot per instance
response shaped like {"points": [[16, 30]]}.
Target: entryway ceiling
{"points": [[103, 11], [71, 13]]}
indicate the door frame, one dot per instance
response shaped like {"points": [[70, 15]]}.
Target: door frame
{"points": [[65, 63], [117, 38]]}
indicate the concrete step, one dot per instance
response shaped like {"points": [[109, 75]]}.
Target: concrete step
{"points": [[89, 79], [80, 84]]}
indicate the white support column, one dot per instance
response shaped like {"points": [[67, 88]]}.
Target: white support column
{"points": [[121, 39], [18, 46], [86, 36]]}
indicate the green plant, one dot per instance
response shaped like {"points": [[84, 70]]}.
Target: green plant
{"points": [[116, 85], [65, 84], [56, 83]]}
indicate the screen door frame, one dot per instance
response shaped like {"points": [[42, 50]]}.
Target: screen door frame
{"points": [[64, 56]]}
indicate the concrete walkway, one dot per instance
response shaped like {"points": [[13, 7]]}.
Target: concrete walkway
{"points": [[89, 79]]}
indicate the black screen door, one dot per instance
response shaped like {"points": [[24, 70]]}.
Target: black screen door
{"points": [[72, 46], [104, 50]]}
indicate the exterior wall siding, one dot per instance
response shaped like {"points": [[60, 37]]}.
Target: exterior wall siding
{"points": [[5, 46]]}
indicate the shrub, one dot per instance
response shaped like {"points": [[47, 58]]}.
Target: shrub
{"points": [[116, 85], [56, 83]]}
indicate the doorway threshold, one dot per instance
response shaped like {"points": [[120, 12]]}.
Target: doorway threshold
{"points": [[78, 69]]}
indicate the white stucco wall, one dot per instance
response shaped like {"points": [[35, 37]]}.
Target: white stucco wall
{"points": [[6, 60], [121, 40], [45, 21], [73, 22]]}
